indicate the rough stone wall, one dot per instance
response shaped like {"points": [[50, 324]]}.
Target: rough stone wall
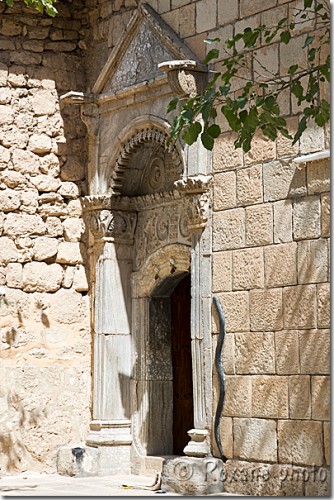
{"points": [[45, 344]]}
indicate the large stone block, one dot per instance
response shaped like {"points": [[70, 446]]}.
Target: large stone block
{"points": [[249, 185], [187, 15], [238, 396], [266, 62], [225, 156], [285, 148], [10, 200], [292, 52], [44, 103], [40, 144], [226, 436], [45, 183], [24, 224], [255, 439], [283, 221], [228, 11], [282, 180], [25, 162], [314, 348], [299, 397], [192, 476], [312, 261], [263, 149], [325, 215], [235, 307], [323, 305], [254, 353], [280, 264], [224, 191], [306, 218], [80, 282], [78, 461], [45, 248], [8, 251], [50, 165], [327, 442], [14, 275], [205, 16], [41, 277], [73, 229], [69, 307], [299, 304], [259, 225], [320, 394], [270, 397], [248, 269], [300, 442], [266, 309], [313, 139], [222, 271], [227, 353], [229, 230], [318, 176], [29, 201], [70, 253], [287, 352]]}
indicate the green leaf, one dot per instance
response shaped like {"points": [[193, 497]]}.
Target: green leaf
{"points": [[191, 134], [207, 141], [172, 104], [301, 128], [209, 41], [214, 131], [231, 117], [242, 101], [212, 54], [311, 54], [307, 3], [285, 37], [292, 69], [308, 41]]}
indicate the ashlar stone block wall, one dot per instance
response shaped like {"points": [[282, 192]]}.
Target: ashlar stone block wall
{"points": [[45, 343]]}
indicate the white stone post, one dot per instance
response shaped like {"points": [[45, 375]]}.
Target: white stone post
{"points": [[113, 232]]}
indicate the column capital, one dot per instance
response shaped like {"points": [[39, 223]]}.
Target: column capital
{"points": [[196, 191], [106, 222]]}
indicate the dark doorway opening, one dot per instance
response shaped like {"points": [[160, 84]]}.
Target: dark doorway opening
{"points": [[183, 411]]}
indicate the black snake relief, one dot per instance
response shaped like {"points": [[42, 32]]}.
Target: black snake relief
{"points": [[219, 368]]}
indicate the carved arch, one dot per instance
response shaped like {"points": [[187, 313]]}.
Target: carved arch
{"points": [[145, 129]]}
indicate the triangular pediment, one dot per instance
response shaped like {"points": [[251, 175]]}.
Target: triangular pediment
{"points": [[147, 41]]}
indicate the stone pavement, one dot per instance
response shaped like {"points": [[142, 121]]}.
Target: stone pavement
{"points": [[40, 484]]}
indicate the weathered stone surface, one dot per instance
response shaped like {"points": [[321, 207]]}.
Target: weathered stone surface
{"points": [[249, 185], [225, 156], [254, 353], [54, 227], [68, 277], [45, 183], [40, 143], [4, 155], [42, 277], [238, 396], [13, 179], [73, 170], [287, 352], [29, 200], [259, 225], [74, 208], [262, 149], [6, 115], [8, 251], [306, 218], [69, 253], [206, 16], [10, 200], [25, 162], [266, 309], [313, 139], [283, 221], [280, 264], [312, 261], [248, 269], [14, 275], [44, 248], [70, 307], [327, 442], [285, 148], [226, 436], [323, 305], [300, 442], [320, 394], [69, 190], [222, 271], [227, 353], [283, 180], [314, 348], [325, 215], [44, 103], [299, 304], [73, 229], [255, 439], [224, 191], [299, 397], [235, 306], [23, 224], [80, 283], [49, 164], [318, 176], [229, 230], [270, 397]]}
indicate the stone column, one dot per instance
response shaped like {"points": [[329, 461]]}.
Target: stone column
{"points": [[197, 205], [113, 232]]}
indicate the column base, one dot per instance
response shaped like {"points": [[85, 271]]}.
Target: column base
{"points": [[192, 476], [109, 433], [197, 446]]}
